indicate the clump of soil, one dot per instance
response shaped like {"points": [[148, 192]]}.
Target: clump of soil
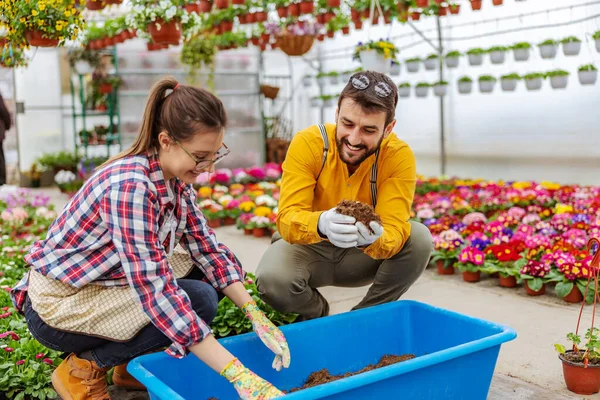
{"points": [[578, 358], [323, 376], [361, 211]]}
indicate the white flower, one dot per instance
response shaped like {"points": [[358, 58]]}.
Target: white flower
{"points": [[171, 12], [64, 177]]}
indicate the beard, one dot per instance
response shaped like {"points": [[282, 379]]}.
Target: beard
{"points": [[365, 152]]}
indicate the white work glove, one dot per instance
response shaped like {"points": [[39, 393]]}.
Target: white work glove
{"points": [[339, 229], [365, 237]]}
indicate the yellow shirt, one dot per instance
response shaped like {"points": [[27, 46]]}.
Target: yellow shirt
{"points": [[301, 204]]}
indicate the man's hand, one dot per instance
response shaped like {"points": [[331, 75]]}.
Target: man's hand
{"points": [[339, 229], [365, 237]]}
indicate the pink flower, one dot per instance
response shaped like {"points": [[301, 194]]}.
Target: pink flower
{"points": [[9, 349], [249, 281], [20, 362], [517, 213], [13, 335], [40, 355], [6, 315], [48, 361], [425, 213]]}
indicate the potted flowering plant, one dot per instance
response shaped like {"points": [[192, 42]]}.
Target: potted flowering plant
{"points": [[559, 78], [571, 46], [404, 89], [440, 88], [571, 280], [533, 274], [431, 62], [505, 260], [412, 64], [548, 48], [497, 54], [244, 222], [588, 74], [445, 253], [471, 261], [453, 59], [259, 225], [533, 81], [43, 24], [521, 51], [486, 83], [476, 56], [422, 89], [376, 55], [83, 60], [162, 21], [213, 212], [509, 82], [596, 37], [465, 85]]}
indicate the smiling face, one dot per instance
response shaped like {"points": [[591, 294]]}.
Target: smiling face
{"points": [[359, 134], [176, 162]]}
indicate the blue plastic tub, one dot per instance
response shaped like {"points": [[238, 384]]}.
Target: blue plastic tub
{"points": [[455, 357]]}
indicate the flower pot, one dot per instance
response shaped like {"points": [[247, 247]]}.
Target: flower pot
{"points": [[346, 77], [486, 86], [333, 3], [316, 102], [454, 9], [105, 88], [34, 38], [228, 221], [422, 91], [475, 59], [440, 90], [221, 4], [580, 380], [328, 103], [532, 292], [282, 12], [465, 87], [571, 48], [598, 45], [497, 57], [422, 3], [165, 32], [260, 16], [471, 276], [247, 231], [333, 79], [192, 8], [307, 81], [508, 282], [452, 62], [83, 67], [548, 51], [394, 70], [431, 63], [205, 6], [322, 80], [574, 296], [521, 54], [404, 92], [259, 232], [588, 77], [412, 66], [497, 2], [559, 82], [476, 5], [533, 84], [444, 271], [214, 223], [307, 7], [95, 5], [508, 85], [374, 61]]}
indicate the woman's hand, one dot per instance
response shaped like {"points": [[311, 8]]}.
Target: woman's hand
{"points": [[249, 385], [270, 335]]}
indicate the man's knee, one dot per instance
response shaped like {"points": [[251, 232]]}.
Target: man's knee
{"points": [[278, 289], [421, 241]]}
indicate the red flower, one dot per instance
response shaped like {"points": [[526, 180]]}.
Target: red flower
{"points": [[48, 361], [13, 335], [40, 355], [8, 349], [20, 362]]}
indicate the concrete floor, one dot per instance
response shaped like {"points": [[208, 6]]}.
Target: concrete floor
{"points": [[527, 368]]}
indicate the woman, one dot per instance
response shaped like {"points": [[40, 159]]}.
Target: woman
{"points": [[105, 285]]}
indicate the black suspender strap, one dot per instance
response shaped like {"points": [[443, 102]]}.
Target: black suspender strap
{"points": [[374, 180], [325, 147]]}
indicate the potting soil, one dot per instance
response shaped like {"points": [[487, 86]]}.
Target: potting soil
{"points": [[361, 211]]}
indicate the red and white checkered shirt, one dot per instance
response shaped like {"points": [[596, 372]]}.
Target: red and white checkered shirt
{"points": [[109, 234]]}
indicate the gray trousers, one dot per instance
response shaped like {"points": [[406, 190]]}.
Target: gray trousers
{"points": [[288, 275]]}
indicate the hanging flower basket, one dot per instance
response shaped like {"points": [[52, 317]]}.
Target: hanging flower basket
{"points": [[95, 5], [34, 38], [165, 32], [454, 8], [270, 92], [307, 7], [476, 4], [371, 60], [295, 45]]}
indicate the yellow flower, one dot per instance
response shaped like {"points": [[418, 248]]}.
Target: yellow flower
{"points": [[22, 19], [204, 191], [550, 185], [67, 13], [42, 5], [40, 22], [521, 185], [247, 206], [562, 209], [263, 211]]}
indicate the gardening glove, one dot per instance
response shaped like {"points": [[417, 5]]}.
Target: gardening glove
{"points": [[249, 385], [365, 237], [270, 335], [339, 229]]}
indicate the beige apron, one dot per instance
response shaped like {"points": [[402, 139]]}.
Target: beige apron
{"points": [[94, 310]]}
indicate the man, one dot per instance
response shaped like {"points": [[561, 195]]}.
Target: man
{"points": [[5, 124], [365, 161]]}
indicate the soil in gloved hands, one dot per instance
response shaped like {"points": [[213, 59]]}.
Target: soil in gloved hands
{"points": [[360, 211]]}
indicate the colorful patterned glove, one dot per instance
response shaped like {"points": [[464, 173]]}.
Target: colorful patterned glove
{"points": [[270, 335], [249, 385]]}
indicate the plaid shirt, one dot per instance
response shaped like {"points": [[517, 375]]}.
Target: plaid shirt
{"points": [[108, 234]]}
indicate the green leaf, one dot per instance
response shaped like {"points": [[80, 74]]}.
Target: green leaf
{"points": [[535, 284], [563, 289], [560, 348]]}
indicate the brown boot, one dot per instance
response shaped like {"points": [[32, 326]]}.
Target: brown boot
{"points": [[124, 379], [79, 379]]}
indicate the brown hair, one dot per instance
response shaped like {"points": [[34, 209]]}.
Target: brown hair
{"points": [[368, 100], [181, 113]]}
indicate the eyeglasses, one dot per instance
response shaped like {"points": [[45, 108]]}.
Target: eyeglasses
{"points": [[362, 82], [203, 164]]}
